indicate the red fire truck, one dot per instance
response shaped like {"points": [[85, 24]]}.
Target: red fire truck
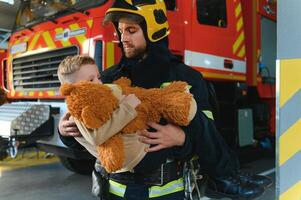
{"points": [[232, 43]]}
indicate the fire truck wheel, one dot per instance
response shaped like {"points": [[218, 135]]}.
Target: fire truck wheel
{"points": [[78, 166]]}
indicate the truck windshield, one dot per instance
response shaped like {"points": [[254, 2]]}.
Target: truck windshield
{"points": [[32, 12]]}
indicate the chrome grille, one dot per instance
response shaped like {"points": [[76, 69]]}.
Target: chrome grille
{"points": [[39, 71]]}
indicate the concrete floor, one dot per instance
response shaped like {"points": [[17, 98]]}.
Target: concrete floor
{"points": [[46, 181], [51, 181]]}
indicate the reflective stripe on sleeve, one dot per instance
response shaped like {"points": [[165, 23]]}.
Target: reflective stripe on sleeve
{"points": [[208, 114], [117, 188], [169, 188], [163, 85]]}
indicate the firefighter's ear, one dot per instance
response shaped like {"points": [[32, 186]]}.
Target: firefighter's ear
{"points": [[66, 89]]}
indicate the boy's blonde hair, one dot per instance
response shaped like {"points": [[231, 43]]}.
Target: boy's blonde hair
{"points": [[72, 64]]}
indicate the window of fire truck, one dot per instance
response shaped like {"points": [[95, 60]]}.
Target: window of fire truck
{"points": [[170, 4], [212, 12], [32, 12]]}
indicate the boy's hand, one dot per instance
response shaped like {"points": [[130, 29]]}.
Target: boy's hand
{"points": [[132, 100], [67, 126]]}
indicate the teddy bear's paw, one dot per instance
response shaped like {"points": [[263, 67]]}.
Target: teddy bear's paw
{"points": [[177, 108], [111, 154]]}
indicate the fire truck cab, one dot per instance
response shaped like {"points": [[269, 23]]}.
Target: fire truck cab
{"points": [[224, 40]]}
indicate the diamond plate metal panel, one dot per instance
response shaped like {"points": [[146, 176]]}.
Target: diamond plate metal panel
{"points": [[22, 119]]}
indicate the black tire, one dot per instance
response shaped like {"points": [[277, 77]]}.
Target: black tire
{"points": [[83, 167]]}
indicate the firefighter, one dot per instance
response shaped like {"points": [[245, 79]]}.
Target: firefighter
{"points": [[143, 29]]}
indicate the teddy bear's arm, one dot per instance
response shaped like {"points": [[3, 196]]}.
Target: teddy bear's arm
{"points": [[120, 118], [179, 108]]}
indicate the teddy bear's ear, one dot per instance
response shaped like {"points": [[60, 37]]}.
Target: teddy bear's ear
{"points": [[66, 89]]}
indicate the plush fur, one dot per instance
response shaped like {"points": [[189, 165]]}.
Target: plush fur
{"points": [[93, 104]]}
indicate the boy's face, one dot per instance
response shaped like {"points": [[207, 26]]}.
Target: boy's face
{"points": [[88, 72]]}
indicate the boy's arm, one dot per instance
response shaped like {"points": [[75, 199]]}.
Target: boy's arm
{"points": [[120, 118]]}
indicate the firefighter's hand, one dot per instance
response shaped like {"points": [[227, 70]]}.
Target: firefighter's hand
{"points": [[166, 136], [67, 126]]}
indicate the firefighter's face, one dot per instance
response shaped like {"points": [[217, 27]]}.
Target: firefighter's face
{"points": [[132, 38], [88, 72]]}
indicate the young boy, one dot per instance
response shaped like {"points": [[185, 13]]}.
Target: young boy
{"points": [[78, 68]]}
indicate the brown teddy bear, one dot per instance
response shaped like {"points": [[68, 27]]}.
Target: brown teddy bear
{"points": [[93, 104]]}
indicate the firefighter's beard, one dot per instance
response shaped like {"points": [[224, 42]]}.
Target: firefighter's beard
{"points": [[130, 51]]}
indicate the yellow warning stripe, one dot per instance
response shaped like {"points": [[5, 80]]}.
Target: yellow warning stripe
{"points": [[17, 42], [239, 29], [31, 94], [33, 42], [90, 23], [238, 42], [291, 79], [293, 193], [50, 93], [242, 52], [239, 24], [49, 41], [34, 93], [110, 54], [238, 10], [26, 39], [290, 85], [289, 145]]}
